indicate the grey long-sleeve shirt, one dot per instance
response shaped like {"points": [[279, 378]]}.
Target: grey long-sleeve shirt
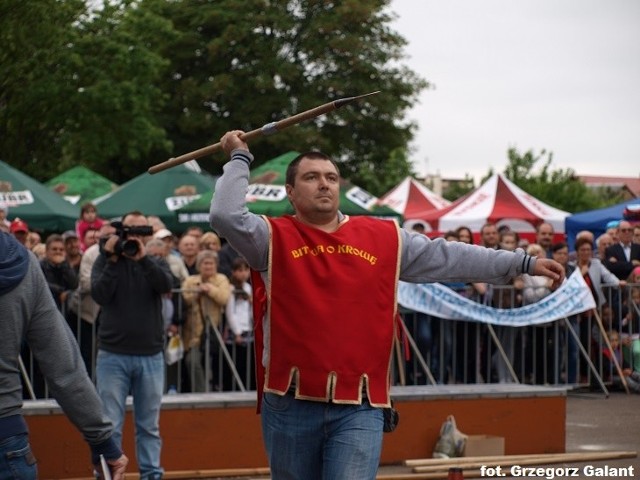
{"points": [[422, 260], [28, 312]]}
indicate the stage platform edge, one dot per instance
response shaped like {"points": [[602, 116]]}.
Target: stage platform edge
{"points": [[222, 431]]}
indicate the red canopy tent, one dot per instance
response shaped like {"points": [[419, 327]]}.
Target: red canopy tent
{"points": [[498, 201], [410, 197]]}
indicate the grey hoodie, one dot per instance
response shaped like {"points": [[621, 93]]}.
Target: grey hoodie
{"points": [[14, 262], [28, 313]]}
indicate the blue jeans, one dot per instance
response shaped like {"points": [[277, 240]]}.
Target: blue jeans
{"points": [[16, 460], [143, 376], [321, 441]]}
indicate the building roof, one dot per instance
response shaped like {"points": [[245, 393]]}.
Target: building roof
{"points": [[631, 184]]}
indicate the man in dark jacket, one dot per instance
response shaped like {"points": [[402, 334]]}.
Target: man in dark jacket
{"points": [[62, 279], [29, 313], [128, 285], [623, 256]]}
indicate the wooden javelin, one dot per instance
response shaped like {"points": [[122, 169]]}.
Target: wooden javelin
{"points": [[268, 129]]}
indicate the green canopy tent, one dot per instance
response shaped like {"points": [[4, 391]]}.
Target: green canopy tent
{"points": [[33, 202], [267, 196], [160, 194], [80, 184]]}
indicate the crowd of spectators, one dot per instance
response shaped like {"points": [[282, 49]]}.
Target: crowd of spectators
{"points": [[551, 353], [210, 307], [210, 285]]}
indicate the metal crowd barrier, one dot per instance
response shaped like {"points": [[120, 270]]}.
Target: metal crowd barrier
{"points": [[566, 352]]}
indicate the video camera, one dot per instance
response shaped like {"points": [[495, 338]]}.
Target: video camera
{"points": [[125, 245]]}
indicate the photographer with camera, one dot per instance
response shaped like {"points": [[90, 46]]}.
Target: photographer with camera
{"points": [[128, 285]]}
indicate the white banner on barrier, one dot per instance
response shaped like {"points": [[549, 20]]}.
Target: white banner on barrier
{"points": [[574, 296]]}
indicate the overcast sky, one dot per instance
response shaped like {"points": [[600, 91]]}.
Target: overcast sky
{"points": [[560, 75]]}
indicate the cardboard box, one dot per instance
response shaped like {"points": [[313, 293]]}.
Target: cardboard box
{"points": [[483, 445]]}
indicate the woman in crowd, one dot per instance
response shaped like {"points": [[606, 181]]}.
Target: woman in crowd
{"points": [[464, 234], [595, 275], [205, 295]]}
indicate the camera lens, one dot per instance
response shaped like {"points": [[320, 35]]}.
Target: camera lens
{"points": [[130, 248]]}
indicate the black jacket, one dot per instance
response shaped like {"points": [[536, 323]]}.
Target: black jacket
{"points": [[129, 294], [61, 278], [621, 268]]}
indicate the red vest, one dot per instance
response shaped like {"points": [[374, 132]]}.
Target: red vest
{"points": [[331, 304]]}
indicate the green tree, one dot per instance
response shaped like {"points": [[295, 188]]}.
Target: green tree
{"points": [[116, 115], [34, 61], [457, 190], [560, 188], [379, 181], [244, 64], [135, 81], [79, 88]]}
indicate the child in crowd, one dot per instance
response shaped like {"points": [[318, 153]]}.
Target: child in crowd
{"points": [[509, 240], [609, 370], [88, 219], [631, 323], [607, 317], [239, 317]]}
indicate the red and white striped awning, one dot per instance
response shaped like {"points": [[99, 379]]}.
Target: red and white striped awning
{"points": [[498, 201], [410, 197]]}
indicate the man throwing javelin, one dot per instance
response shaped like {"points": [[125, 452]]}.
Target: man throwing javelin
{"points": [[324, 303]]}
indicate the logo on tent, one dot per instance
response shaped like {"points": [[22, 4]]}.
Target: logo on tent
{"points": [[361, 197], [174, 203], [193, 218], [269, 193], [12, 199]]}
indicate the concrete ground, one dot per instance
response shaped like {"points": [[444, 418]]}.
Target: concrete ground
{"points": [[595, 423]]}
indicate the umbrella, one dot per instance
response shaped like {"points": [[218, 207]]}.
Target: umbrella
{"points": [[33, 202], [267, 196], [160, 194], [80, 184]]}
